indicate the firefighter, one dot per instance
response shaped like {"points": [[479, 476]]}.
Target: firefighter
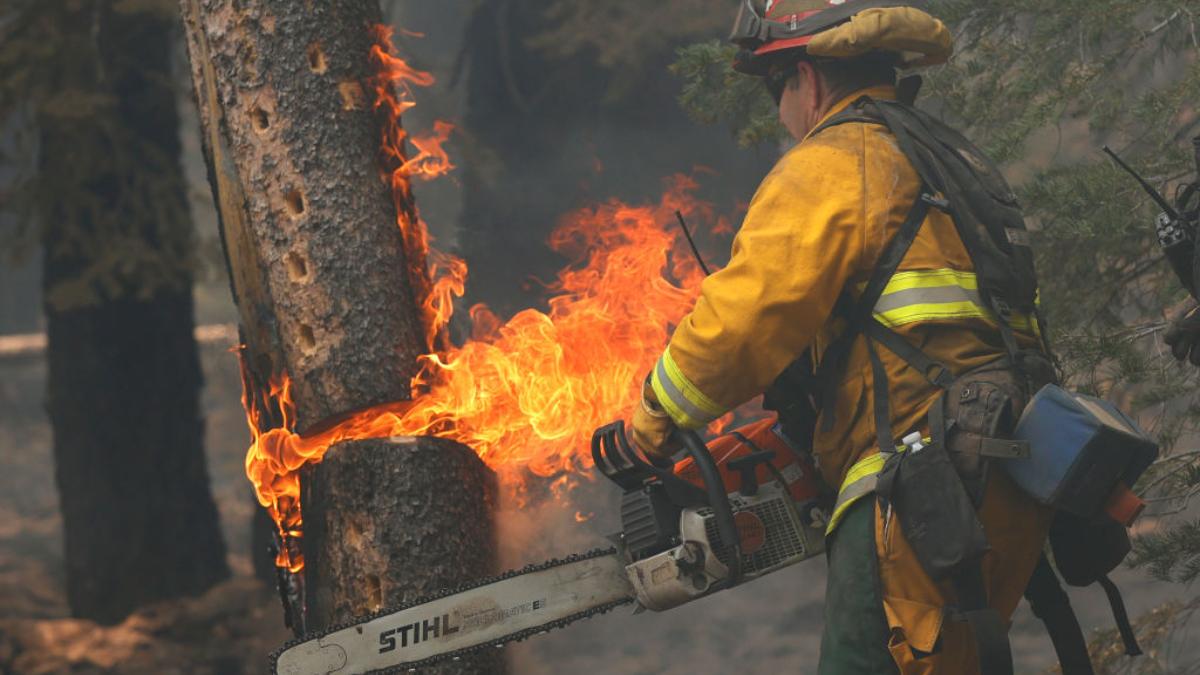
{"points": [[812, 244]]}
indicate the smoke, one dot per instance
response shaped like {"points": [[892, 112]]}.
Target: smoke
{"points": [[535, 528]]}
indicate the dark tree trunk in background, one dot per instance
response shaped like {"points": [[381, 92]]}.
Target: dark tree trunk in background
{"points": [[429, 497], [319, 272], [139, 522]]}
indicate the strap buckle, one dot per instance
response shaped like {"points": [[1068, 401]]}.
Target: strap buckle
{"points": [[939, 374], [1002, 307], [936, 202], [1004, 448]]}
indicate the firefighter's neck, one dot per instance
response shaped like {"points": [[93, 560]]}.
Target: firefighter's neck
{"points": [[807, 99]]}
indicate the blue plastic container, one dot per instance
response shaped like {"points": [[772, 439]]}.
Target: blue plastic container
{"points": [[1081, 449]]}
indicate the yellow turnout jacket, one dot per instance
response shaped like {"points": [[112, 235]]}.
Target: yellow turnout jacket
{"points": [[815, 229]]}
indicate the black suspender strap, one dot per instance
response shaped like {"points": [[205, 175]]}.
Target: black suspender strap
{"points": [[833, 361], [1050, 603], [1121, 616], [892, 256], [935, 371], [883, 413], [991, 635], [855, 113]]}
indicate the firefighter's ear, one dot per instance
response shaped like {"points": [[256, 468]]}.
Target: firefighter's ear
{"points": [[815, 95], [807, 77]]}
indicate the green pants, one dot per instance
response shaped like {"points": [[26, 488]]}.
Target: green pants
{"points": [[856, 631]]}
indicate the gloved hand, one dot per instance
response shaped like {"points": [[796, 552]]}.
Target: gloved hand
{"points": [[1183, 337], [652, 428]]}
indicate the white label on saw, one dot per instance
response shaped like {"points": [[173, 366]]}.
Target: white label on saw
{"points": [[462, 620], [792, 473]]}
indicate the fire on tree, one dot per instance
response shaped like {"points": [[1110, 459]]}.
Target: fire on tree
{"points": [[523, 394]]}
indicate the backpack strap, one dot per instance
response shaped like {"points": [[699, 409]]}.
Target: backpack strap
{"points": [[1051, 604], [855, 113], [1120, 616], [861, 314], [991, 634]]}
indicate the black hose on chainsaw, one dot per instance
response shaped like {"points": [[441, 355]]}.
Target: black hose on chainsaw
{"points": [[718, 500]]}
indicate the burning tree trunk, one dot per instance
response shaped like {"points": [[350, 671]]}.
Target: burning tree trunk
{"points": [[316, 260], [139, 523], [438, 502], [330, 290]]}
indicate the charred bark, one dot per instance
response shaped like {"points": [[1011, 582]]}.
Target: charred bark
{"points": [[139, 523], [316, 259], [388, 521], [321, 278]]}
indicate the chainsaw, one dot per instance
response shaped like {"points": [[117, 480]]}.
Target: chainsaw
{"points": [[747, 505]]}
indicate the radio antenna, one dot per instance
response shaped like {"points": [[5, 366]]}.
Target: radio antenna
{"points": [[1154, 194], [692, 242]]}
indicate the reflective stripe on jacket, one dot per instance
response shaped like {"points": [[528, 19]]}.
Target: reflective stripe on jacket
{"points": [[939, 295]]}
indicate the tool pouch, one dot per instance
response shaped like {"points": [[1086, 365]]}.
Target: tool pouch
{"points": [[981, 411], [936, 514]]}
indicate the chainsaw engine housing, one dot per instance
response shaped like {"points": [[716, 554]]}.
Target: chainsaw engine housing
{"points": [[677, 553]]}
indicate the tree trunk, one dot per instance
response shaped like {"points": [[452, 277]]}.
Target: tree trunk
{"points": [[316, 259], [321, 278], [389, 521], [139, 522]]}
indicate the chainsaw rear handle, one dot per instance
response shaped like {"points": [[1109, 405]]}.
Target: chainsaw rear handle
{"points": [[718, 500], [625, 466]]}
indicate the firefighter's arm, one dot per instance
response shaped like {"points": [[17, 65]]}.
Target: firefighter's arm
{"points": [[801, 242]]}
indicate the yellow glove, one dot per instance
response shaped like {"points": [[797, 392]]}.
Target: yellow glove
{"points": [[652, 428]]}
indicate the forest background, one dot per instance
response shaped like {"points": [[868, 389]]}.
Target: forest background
{"points": [[558, 105]]}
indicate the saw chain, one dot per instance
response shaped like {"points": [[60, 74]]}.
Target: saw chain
{"points": [[495, 643]]}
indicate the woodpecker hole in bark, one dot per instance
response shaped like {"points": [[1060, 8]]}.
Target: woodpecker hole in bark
{"points": [[353, 96], [308, 341], [297, 267], [294, 201], [316, 58], [260, 119]]}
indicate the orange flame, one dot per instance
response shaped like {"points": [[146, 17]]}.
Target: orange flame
{"points": [[435, 286], [524, 393]]}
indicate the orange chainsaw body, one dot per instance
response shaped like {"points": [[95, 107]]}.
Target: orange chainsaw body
{"points": [[797, 467]]}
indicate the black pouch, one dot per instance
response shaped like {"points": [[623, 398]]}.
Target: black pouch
{"points": [[1085, 552], [937, 516]]}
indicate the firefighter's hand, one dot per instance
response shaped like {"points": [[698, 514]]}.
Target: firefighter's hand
{"points": [[652, 429], [1183, 337]]}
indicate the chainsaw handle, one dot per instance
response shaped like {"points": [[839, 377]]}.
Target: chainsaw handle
{"points": [[718, 500], [620, 463]]}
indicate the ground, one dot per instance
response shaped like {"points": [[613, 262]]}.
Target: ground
{"points": [[770, 626]]}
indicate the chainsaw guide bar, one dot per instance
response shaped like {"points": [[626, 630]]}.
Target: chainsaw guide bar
{"points": [[684, 536], [563, 590]]}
